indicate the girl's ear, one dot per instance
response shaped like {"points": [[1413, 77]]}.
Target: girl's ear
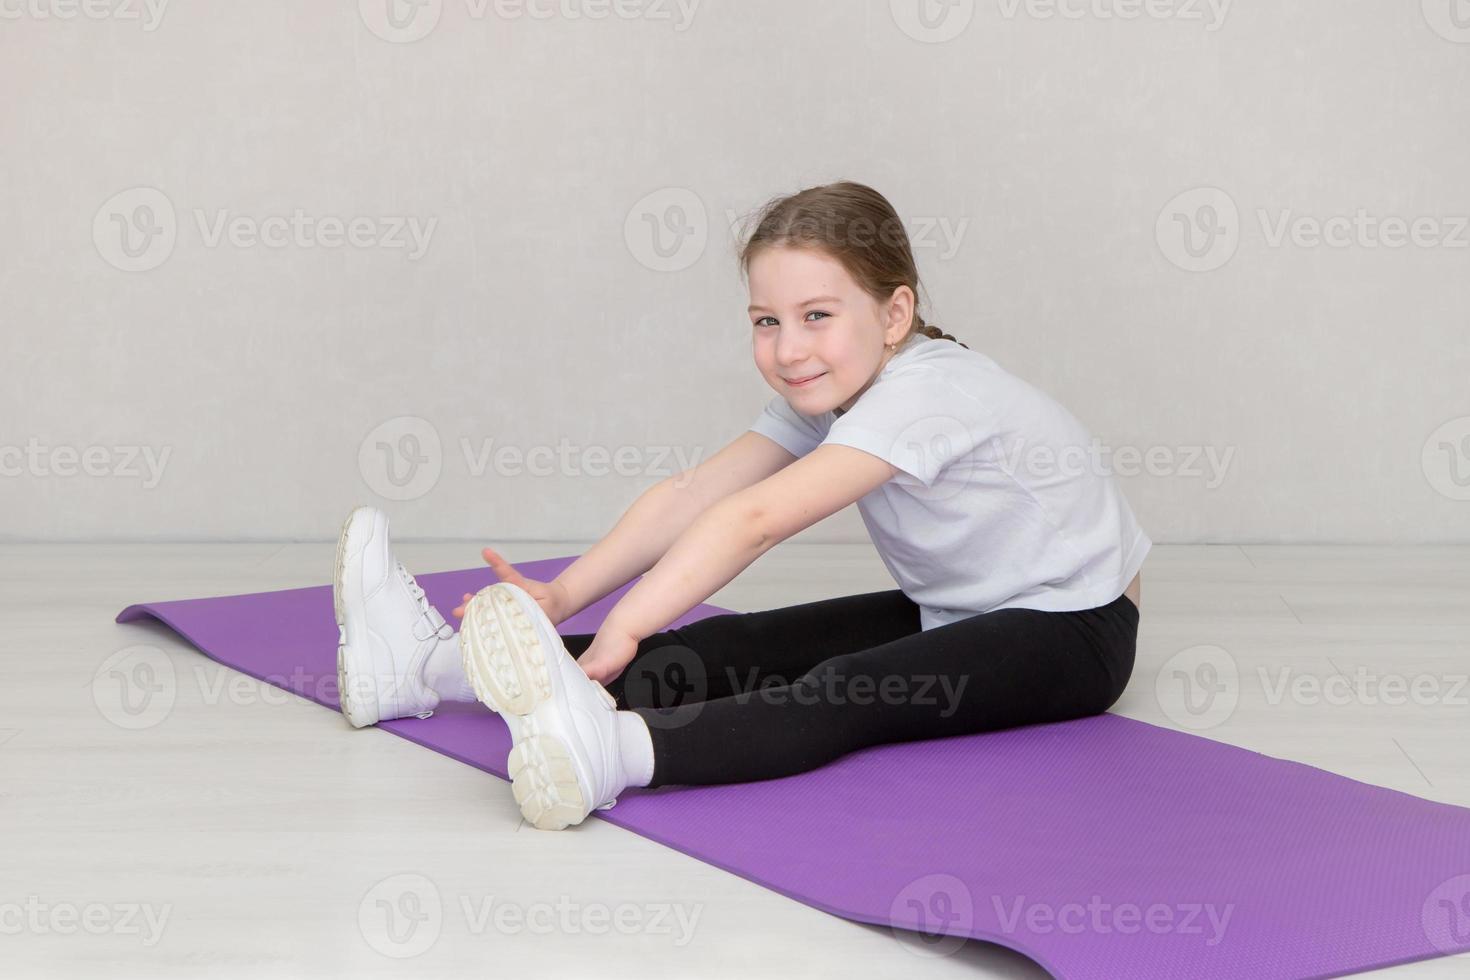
{"points": [[900, 312]]}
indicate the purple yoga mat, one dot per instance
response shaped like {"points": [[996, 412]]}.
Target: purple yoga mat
{"points": [[1101, 848]]}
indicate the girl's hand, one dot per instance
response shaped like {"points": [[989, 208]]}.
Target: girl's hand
{"points": [[551, 596], [611, 651]]}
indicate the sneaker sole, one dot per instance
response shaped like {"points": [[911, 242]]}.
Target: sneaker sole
{"points": [[506, 666], [348, 661], [543, 778]]}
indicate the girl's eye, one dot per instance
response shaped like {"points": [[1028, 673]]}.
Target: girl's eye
{"points": [[762, 321]]}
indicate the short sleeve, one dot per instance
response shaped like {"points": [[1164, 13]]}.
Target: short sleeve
{"points": [[796, 433], [915, 419]]}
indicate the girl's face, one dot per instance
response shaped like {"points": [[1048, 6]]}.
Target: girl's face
{"points": [[810, 319]]}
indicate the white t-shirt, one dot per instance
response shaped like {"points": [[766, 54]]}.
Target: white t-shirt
{"points": [[1002, 500]]}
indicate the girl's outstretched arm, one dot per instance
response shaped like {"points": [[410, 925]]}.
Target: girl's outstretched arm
{"points": [[724, 539], [661, 513]]}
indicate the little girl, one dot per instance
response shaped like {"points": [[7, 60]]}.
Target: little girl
{"points": [[1018, 564]]}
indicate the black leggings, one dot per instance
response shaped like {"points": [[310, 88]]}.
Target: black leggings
{"points": [[743, 696]]}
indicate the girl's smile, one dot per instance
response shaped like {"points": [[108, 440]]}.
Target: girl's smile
{"points": [[804, 381]]}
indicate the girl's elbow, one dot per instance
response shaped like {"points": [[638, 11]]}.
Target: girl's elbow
{"points": [[758, 527]]}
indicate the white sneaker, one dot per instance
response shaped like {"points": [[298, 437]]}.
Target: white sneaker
{"points": [[386, 628], [565, 759]]}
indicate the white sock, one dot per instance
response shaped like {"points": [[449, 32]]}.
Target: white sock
{"points": [[444, 672], [635, 747]]}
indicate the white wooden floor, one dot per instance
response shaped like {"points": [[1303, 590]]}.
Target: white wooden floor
{"points": [[254, 827]]}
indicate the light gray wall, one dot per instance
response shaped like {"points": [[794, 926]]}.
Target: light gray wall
{"points": [[1046, 163]]}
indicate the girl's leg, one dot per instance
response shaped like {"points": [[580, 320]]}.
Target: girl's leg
{"points": [[994, 670], [734, 652]]}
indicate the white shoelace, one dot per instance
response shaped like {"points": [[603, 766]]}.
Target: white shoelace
{"points": [[427, 613]]}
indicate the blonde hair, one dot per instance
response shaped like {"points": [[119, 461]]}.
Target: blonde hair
{"points": [[856, 226]]}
